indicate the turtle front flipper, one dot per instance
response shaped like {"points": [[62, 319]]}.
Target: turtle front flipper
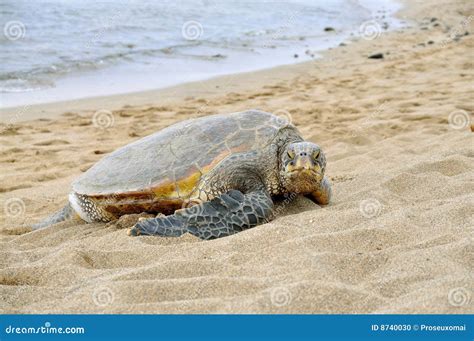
{"points": [[323, 194], [224, 215]]}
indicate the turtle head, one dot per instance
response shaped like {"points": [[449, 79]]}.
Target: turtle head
{"points": [[303, 166]]}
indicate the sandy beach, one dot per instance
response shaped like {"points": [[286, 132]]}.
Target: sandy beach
{"points": [[396, 238]]}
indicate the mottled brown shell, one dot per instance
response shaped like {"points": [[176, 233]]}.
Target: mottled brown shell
{"points": [[171, 162]]}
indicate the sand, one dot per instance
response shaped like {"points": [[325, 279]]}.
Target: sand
{"points": [[397, 237]]}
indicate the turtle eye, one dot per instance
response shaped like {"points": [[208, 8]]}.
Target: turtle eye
{"points": [[316, 154], [291, 154]]}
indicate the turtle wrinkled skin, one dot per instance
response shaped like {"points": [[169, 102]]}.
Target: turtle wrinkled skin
{"points": [[211, 177]]}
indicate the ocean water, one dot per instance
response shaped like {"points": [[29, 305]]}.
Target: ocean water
{"points": [[55, 50]]}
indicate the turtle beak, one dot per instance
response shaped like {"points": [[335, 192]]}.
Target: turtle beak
{"points": [[303, 164]]}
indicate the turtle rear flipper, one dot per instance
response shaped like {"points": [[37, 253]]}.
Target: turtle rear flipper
{"points": [[224, 215], [65, 213]]}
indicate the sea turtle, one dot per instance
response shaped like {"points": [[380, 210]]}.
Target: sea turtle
{"points": [[212, 176]]}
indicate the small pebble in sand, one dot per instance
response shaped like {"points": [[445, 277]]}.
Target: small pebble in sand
{"points": [[376, 56]]}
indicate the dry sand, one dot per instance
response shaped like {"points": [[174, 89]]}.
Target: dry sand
{"points": [[397, 237]]}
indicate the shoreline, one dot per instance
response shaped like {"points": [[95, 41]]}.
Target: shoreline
{"points": [[50, 110]]}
